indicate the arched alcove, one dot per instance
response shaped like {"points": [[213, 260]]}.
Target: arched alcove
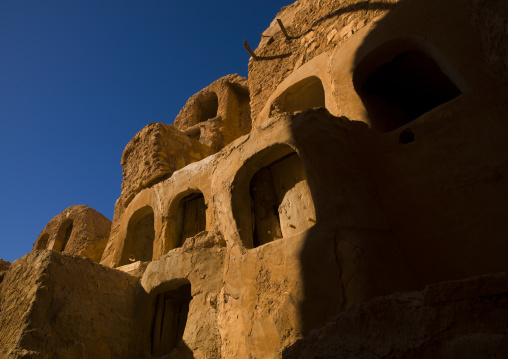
{"points": [[171, 310], [305, 94], [63, 235], [271, 199], [398, 83], [43, 241], [191, 217], [186, 218], [138, 244], [208, 105]]}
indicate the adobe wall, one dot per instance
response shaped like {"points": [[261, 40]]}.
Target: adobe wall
{"points": [[374, 211], [271, 295], [200, 264], [153, 154], [447, 320], [429, 174], [320, 29], [490, 18], [218, 114], [209, 121], [59, 306], [333, 40]]}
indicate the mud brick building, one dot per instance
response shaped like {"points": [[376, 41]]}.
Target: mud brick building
{"points": [[347, 200]]}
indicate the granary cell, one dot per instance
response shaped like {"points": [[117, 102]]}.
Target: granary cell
{"points": [[305, 94], [186, 218], [207, 106], [279, 197], [169, 319], [63, 236], [138, 245], [191, 217], [218, 114], [399, 85]]}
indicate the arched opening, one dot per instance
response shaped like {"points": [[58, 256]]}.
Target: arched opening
{"points": [[191, 217], [305, 94], [63, 236], [169, 319], [401, 88], [138, 244], [208, 106], [271, 198], [43, 241]]}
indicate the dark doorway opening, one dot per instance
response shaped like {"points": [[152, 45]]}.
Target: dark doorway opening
{"points": [[208, 106], [403, 89], [191, 217], [170, 318]]}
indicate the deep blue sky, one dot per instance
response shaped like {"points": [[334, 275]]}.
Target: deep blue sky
{"points": [[79, 78]]}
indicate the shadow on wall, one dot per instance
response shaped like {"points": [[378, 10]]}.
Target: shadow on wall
{"points": [[351, 254], [359, 6]]}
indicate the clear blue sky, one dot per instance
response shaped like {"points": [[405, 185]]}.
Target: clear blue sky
{"points": [[79, 78]]}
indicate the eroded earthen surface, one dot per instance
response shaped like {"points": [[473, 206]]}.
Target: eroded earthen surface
{"points": [[434, 323], [78, 230], [56, 306], [347, 200]]}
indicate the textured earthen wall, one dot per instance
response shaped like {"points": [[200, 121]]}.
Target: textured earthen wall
{"points": [[490, 18], [271, 294], [78, 230], [200, 263], [345, 35], [230, 117], [319, 26], [462, 319], [154, 153], [53, 305]]}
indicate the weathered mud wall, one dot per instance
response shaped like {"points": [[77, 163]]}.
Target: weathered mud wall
{"points": [[53, 305], [218, 114], [156, 152], [462, 319], [490, 18], [200, 264], [78, 230], [333, 238], [317, 27]]}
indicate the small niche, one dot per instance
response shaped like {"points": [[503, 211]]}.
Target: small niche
{"points": [[63, 236], [191, 217], [208, 105], [281, 203], [402, 89], [43, 242], [138, 244], [170, 318], [308, 93]]}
